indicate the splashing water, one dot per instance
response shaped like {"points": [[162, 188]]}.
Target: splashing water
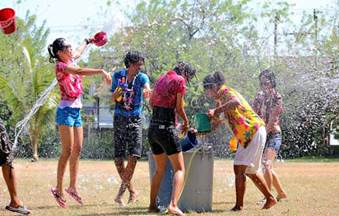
{"points": [[21, 124]]}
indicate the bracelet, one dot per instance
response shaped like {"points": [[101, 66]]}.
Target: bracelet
{"points": [[87, 41]]}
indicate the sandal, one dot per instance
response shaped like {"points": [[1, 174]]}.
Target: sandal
{"points": [[118, 198], [280, 199], [262, 201], [119, 201], [74, 195], [61, 201], [160, 209], [133, 197], [21, 209]]}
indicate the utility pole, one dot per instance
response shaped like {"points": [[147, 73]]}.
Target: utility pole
{"points": [[315, 18], [276, 20]]}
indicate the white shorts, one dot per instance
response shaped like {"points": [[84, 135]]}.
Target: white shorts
{"points": [[252, 154]]}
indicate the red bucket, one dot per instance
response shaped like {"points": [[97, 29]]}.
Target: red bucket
{"points": [[7, 20], [100, 38]]}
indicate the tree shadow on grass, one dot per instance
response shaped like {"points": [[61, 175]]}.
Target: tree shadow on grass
{"points": [[141, 211], [222, 203], [75, 206], [44, 207], [122, 211]]}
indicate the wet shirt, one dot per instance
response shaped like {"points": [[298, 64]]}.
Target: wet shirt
{"points": [[166, 89], [269, 107], [70, 86], [131, 102], [243, 121]]}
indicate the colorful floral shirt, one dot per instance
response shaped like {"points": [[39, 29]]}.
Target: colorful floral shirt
{"points": [[70, 85], [269, 107], [243, 121]]}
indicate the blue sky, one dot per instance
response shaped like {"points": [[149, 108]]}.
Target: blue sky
{"points": [[68, 18]]}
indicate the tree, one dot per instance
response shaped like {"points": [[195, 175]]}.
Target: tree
{"points": [[24, 74]]}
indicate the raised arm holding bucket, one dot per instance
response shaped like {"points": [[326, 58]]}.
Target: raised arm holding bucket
{"points": [[68, 114]]}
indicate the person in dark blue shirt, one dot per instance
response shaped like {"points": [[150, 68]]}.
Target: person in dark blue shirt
{"points": [[129, 88]]}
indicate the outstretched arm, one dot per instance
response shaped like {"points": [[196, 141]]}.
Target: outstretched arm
{"points": [[88, 72]]}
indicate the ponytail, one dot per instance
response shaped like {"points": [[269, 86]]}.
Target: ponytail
{"points": [[57, 45], [52, 56]]}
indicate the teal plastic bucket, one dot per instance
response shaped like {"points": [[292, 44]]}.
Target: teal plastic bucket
{"points": [[202, 122]]}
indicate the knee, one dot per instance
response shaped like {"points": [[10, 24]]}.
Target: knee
{"points": [[179, 170], [119, 163], [159, 173], [267, 165], [66, 152], [132, 159], [76, 151], [240, 175]]}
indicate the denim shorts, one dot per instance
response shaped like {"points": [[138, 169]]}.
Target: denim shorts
{"points": [[273, 141], [127, 136], [68, 116]]}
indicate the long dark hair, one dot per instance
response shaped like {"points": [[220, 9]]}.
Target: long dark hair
{"points": [[217, 78], [57, 45], [269, 75], [186, 69], [133, 57]]}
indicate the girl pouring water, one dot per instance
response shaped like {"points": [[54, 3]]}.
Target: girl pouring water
{"points": [[68, 117], [167, 101]]}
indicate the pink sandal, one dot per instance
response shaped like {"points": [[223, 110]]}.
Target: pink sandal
{"points": [[74, 195], [61, 201]]}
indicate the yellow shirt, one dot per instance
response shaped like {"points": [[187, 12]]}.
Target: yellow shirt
{"points": [[243, 121]]}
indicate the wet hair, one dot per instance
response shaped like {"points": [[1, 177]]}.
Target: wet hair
{"points": [[217, 78], [186, 69], [133, 57], [57, 45], [269, 75]]}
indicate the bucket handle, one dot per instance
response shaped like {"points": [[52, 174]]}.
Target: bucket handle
{"points": [[7, 23]]}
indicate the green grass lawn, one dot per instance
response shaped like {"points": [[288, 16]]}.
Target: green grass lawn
{"points": [[313, 189]]}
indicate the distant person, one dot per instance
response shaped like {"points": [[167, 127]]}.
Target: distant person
{"points": [[68, 117], [167, 101], [6, 159], [129, 88], [269, 106], [248, 128]]}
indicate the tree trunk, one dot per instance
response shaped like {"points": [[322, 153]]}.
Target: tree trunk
{"points": [[35, 151], [34, 137]]}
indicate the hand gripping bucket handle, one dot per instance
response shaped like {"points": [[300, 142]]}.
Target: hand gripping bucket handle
{"points": [[7, 20]]}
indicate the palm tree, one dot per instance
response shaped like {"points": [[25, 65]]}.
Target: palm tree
{"points": [[25, 74]]}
